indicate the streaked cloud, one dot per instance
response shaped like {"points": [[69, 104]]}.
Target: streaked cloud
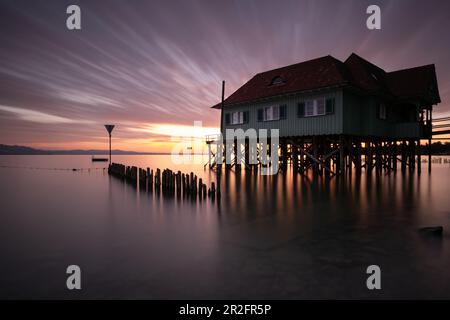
{"points": [[87, 98], [174, 130], [39, 117]]}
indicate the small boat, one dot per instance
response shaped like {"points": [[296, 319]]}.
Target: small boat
{"points": [[94, 159]]}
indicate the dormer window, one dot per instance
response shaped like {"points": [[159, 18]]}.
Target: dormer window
{"points": [[277, 81]]}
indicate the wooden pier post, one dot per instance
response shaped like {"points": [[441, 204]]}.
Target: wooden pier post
{"points": [[341, 164], [419, 158], [429, 155], [358, 157], [213, 189], [430, 110], [411, 155], [247, 153], [283, 152], [315, 154], [378, 157], [194, 185], [158, 178], [369, 156], [294, 151], [178, 182], [403, 158], [236, 150], [394, 155], [188, 184]]}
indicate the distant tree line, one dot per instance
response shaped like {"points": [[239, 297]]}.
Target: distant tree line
{"points": [[437, 148]]}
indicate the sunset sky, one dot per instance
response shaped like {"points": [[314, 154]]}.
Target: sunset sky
{"points": [[154, 67]]}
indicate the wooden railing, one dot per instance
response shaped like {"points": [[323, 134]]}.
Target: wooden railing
{"points": [[443, 124]]}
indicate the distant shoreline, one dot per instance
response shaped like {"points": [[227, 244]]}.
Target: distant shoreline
{"points": [[23, 150], [437, 149]]}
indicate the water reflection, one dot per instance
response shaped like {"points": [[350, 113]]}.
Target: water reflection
{"points": [[289, 193], [282, 236]]}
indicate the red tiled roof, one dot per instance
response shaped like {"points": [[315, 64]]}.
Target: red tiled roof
{"points": [[313, 74], [328, 72], [419, 82]]}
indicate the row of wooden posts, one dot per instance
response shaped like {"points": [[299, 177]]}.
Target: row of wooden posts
{"points": [[170, 182], [332, 155]]}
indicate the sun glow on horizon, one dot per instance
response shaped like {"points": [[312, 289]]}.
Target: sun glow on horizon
{"points": [[177, 130]]}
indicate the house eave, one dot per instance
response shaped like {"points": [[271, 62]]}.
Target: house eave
{"points": [[284, 95]]}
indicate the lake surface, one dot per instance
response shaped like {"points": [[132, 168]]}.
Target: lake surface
{"points": [[281, 237]]}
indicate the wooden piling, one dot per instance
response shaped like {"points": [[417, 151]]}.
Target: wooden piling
{"points": [[419, 158], [403, 155], [158, 178]]}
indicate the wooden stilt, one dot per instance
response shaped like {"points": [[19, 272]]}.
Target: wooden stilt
{"points": [[341, 168], [403, 155], [419, 160]]}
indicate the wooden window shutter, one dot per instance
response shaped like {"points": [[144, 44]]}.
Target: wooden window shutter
{"points": [[301, 110], [260, 114], [283, 111], [246, 114], [329, 106]]}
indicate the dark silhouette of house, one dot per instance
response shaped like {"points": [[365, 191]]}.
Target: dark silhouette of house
{"points": [[333, 115], [325, 96]]}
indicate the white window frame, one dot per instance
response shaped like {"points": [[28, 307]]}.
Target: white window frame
{"points": [[237, 117], [271, 113], [323, 105], [312, 107]]}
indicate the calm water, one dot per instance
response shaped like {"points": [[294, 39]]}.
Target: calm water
{"points": [[282, 237]]}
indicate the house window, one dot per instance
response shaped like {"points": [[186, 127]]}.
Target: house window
{"points": [[239, 117], [382, 114], [272, 113], [309, 108], [315, 107], [320, 107]]}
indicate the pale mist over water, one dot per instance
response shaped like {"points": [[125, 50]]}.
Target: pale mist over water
{"points": [[282, 237]]}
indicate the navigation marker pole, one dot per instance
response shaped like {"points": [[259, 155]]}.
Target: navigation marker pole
{"points": [[109, 128]]}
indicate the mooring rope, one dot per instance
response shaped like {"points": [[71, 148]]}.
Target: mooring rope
{"points": [[52, 169]]}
